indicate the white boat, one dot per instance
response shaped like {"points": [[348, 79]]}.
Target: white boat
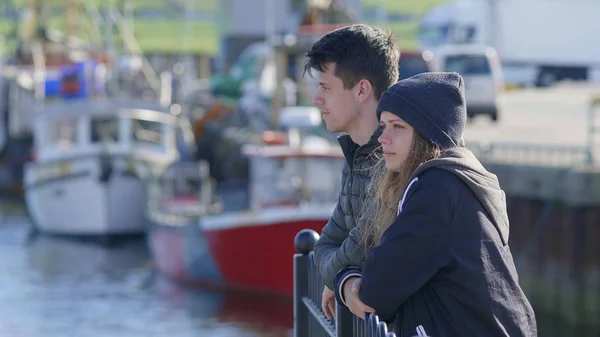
{"points": [[84, 179]]}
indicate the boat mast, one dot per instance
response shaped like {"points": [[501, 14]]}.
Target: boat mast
{"points": [[72, 12], [32, 30]]}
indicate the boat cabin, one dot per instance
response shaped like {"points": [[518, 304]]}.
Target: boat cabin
{"points": [[284, 175], [141, 130], [288, 169]]}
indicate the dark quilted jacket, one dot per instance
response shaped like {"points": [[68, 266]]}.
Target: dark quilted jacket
{"points": [[338, 246]]}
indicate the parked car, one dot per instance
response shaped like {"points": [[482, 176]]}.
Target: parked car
{"points": [[481, 70], [413, 63]]}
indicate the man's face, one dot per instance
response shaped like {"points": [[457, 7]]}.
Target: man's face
{"points": [[339, 106]]}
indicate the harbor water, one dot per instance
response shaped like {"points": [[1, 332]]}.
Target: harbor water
{"points": [[57, 287]]}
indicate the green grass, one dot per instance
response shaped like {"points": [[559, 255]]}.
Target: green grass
{"points": [[201, 37], [5, 27], [160, 36], [415, 7], [405, 33], [172, 35], [195, 5], [197, 37]]}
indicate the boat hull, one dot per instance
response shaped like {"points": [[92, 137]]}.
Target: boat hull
{"points": [[235, 250], [180, 252], [259, 257], [77, 198]]}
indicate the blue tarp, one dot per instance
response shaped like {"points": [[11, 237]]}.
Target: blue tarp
{"points": [[69, 83]]}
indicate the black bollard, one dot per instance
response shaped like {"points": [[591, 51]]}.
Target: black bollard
{"points": [[305, 241]]}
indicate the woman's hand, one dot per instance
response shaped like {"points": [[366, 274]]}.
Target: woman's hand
{"points": [[351, 290]]}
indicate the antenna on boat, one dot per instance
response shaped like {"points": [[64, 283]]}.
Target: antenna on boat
{"points": [[110, 47], [114, 19], [36, 34], [39, 73], [166, 89], [133, 46]]}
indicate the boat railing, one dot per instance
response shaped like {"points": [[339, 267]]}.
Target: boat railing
{"points": [[553, 155], [184, 189], [303, 170], [121, 128], [291, 176], [309, 319]]}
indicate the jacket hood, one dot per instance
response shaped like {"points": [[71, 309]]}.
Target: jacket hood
{"points": [[484, 184]]}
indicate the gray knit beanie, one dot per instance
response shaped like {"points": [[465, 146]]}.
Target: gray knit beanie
{"points": [[432, 103]]}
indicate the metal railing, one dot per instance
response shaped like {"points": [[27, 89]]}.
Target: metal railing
{"points": [[309, 319], [554, 155]]}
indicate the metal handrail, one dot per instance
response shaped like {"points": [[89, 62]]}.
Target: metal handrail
{"points": [[309, 319], [554, 155]]}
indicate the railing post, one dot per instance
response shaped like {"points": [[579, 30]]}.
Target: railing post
{"points": [[382, 330], [372, 325], [343, 320], [304, 242]]}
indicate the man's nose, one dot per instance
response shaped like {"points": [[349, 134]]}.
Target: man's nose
{"points": [[318, 101]]}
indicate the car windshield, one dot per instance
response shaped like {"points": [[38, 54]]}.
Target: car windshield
{"points": [[468, 64], [411, 65]]}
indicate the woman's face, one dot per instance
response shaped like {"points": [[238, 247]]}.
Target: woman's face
{"points": [[396, 140]]}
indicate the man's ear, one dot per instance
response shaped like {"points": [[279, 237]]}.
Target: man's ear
{"points": [[364, 90]]}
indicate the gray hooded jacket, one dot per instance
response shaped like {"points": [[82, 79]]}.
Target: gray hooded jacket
{"points": [[338, 246]]}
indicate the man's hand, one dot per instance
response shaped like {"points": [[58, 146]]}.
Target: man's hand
{"points": [[328, 303], [356, 306]]}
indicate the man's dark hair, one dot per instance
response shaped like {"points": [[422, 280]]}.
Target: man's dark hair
{"points": [[359, 52]]}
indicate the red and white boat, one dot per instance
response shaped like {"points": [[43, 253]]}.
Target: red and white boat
{"points": [[249, 243]]}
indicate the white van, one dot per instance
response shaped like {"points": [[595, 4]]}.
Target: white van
{"points": [[481, 70]]}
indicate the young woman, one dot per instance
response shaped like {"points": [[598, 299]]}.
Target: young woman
{"points": [[438, 258]]}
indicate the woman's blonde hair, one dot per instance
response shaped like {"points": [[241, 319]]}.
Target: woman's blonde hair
{"points": [[387, 188]]}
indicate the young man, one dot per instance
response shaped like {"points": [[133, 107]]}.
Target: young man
{"points": [[355, 65]]}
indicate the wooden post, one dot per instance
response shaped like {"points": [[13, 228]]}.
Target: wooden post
{"points": [[278, 100], [204, 69]]}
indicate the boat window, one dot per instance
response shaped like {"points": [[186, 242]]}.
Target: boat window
{"points": [[322, 178], [148, 132], [62, 133], [294, 179], [278, 180], [105, 130]]}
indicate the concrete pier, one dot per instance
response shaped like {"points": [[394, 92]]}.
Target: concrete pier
{"points": [[554, 215]]}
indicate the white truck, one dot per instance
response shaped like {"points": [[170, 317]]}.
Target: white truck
{"points": [[538, 42]]}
